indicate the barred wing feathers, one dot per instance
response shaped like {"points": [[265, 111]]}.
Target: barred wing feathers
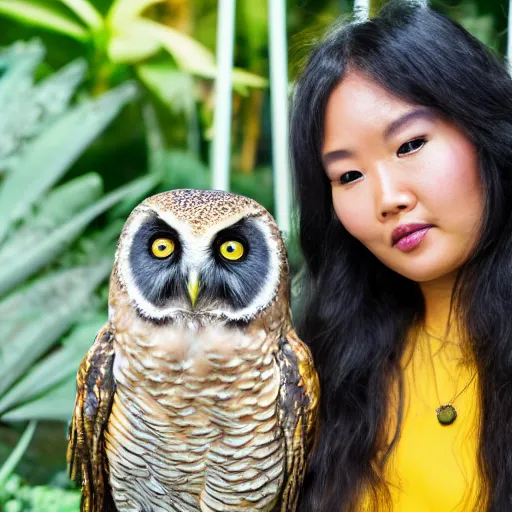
{"points": [[86, 456], [298, 411]]}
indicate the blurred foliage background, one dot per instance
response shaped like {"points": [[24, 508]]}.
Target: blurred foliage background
{"points": [[103, 103]]}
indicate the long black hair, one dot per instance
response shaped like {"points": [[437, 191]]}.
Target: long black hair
{"points": [[357, 312]]}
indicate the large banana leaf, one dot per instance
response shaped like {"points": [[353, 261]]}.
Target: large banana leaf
{"points": [[50, 155]]}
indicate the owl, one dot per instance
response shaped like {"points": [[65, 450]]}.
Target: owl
{"points": [[197, 395]]}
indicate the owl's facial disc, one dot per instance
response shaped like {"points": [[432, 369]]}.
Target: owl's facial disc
{"points": [[170, 269]]}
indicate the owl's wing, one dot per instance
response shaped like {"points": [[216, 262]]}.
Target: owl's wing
{"points": [[86, 457], [298, 413]]}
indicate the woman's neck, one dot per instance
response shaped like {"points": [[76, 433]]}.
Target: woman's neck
{"points": [[437, 295]]}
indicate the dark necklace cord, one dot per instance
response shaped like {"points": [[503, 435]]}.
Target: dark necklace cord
{"points": [[446, 414]]}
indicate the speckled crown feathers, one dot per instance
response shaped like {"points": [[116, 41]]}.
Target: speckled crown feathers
{"points": [[202, 209]]}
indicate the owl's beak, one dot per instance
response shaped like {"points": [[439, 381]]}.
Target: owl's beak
{"points": [[193, 286]]}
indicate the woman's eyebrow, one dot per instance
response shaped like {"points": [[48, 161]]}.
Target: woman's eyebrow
{"points": [[391, 129], [413, 115], [336, 155]]}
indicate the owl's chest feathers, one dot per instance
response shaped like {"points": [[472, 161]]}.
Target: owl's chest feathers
{"points": [[191, 371], [196, 400]]}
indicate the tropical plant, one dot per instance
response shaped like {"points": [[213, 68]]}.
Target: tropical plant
{"points": [[123, 36], [17, 496], [55, 252], [50, 271], [53, 264]]}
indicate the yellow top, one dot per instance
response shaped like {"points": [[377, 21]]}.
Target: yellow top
{"points": [[434, 467]]}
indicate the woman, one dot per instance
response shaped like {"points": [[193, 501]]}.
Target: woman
{"points": [[401, 138]]}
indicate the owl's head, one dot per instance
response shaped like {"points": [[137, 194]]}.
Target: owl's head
{"points": [[198, 252]]}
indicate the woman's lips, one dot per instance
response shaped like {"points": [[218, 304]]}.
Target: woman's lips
{"points": [[412, 240]]}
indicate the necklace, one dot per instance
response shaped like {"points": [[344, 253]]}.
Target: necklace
{"points": [[446, 414]]}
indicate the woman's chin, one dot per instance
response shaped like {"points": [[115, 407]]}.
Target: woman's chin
{"points": [[425, 273]]}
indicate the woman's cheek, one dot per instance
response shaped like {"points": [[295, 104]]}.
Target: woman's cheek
{"points": [[450, 184], [354, 215]]}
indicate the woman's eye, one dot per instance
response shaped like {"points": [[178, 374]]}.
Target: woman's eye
{"points": [[411, 146], [349, 177]]}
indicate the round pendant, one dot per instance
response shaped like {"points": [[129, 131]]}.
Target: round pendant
{"points": [[446, 414]]}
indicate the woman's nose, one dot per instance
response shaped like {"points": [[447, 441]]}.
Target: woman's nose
{"points": [[393, 194]]}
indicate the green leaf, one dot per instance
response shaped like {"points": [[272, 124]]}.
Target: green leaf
{"points": [[16, 455], [42, 15], [29, 262], [64, 201], [123, 12], [86, 12], [190, 55], [61, 203], [124, 207], [155, 141], [49, 156], [253, 23], [242, 78], [18, 50], [257, 185], [16, 99], [36, 328], [97, 245], [56, 405], [40, 498], [173, 87], [28, 110], [132, 45], [51, 499], [29, 301], [54, 93], [185, 170], [142, 38], [55, 368], [21, 60]]}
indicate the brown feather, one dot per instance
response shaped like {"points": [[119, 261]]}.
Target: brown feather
{"points": [[298, 413], [86, 452]]}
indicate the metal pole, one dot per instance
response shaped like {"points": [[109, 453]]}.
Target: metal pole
{"points": [[279, 106], [362, 9], [222, 118]]}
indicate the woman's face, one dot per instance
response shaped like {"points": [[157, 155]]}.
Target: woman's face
{"points": [[405, 182]]}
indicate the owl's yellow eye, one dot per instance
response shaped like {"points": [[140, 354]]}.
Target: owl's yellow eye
{"points": [[232, 250], [162, 247]]}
